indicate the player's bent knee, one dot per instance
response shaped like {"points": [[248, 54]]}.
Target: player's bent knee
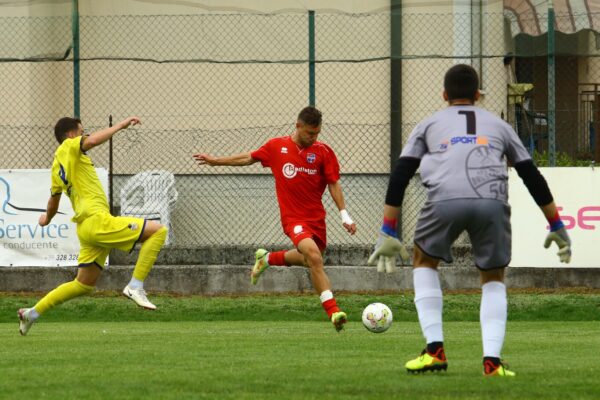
{"points": [[314, 259], [88, 276], [151, 228], [85, 286]]}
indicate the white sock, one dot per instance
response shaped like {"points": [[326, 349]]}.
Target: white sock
{"points": [[428, 300], [136, 284], [492, 315], [326, 295]]}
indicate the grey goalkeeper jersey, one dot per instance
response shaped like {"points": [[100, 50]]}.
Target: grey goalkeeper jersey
{"points": [[462, 151]]}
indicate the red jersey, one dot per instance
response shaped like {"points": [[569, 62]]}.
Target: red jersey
{"points": [[301, 175]]}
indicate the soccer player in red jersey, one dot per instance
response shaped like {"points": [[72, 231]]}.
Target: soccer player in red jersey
{"points": [[303, 167]]}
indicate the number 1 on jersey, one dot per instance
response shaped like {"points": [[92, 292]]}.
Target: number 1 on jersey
{"points": [[471, 126]]}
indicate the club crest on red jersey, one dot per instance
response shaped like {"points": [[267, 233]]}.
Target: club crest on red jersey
{"points": [[311, 157]]}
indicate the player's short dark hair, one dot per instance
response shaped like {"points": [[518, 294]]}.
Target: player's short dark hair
{"points": [[64, 126], [310, 116], [461, 82]]}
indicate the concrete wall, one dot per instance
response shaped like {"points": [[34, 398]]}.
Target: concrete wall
{"points": [[216, 279]]}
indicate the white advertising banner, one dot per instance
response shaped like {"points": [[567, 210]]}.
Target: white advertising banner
{"points": [[24, 194], [576, 193]]}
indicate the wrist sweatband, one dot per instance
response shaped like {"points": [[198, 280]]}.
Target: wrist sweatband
{"points": [[389, 226], [346, 217], [555, 222]]}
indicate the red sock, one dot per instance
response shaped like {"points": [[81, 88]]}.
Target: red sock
{"points": [[330, 306], [277, 257]]}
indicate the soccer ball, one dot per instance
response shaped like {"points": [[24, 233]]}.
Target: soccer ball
{"points": [[377, 317]]}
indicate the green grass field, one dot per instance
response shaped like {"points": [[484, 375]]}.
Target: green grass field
{"points": [[282, 347]]}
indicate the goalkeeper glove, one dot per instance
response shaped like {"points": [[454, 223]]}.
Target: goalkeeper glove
{"points": [[562, 240], [386, 249]]}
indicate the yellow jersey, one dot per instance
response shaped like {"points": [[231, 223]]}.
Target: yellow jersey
{"points": [[74, 174]]}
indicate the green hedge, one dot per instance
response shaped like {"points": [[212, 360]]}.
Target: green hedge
{"points": [[562, 160]]}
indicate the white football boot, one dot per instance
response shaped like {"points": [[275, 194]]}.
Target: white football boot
{"points": [[139, 296], [24, 321]]}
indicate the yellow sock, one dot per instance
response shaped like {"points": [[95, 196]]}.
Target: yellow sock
{"points": [[148, 253], [64, 292]]}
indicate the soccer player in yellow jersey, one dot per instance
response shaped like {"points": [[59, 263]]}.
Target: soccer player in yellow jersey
{"points": [[74, 174]]}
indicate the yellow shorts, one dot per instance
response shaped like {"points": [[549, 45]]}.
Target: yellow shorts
{"points": [[102, 232]]}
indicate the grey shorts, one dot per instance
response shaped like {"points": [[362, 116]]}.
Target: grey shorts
{"points": [[486, 221]]}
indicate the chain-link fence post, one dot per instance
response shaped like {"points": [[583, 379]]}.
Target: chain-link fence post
{"points": [[110, 168], [75, 44], [551, 88], [396, 89], [311, 58]]}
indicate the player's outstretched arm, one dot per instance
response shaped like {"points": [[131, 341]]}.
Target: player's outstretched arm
{"points": [[236, 160], [99, 137], [335, 190], [51, 210]]}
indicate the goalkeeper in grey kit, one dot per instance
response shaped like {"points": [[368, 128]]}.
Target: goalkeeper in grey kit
{"points": [[461, 152]]}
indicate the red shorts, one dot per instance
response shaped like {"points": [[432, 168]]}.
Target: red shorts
{"points": [[300, 230]]}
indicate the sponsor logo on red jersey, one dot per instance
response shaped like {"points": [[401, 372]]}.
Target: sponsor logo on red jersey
{"points": [[290, 170]]}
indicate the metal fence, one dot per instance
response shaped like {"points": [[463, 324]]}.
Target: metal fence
{"points": [[226, 83]]}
